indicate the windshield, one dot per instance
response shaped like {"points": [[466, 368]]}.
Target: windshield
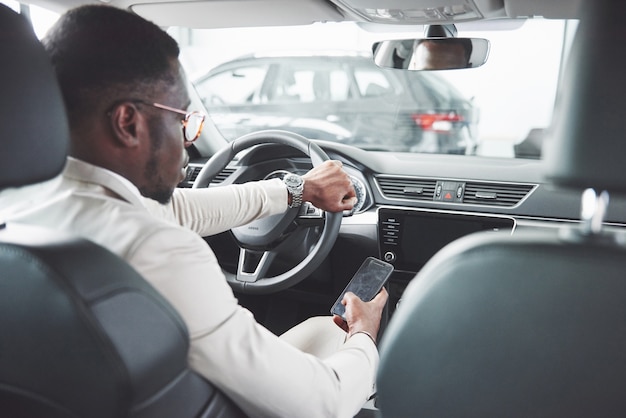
{"points": [[321, 81]]}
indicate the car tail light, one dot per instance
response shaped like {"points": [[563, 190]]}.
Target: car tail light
{"points": [[437, 122]]}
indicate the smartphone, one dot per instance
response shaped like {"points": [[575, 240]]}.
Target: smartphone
{"points": [[366, 283]]}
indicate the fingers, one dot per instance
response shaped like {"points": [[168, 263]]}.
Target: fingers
{"points": [[345, 204], [340, 322], [349, 198], [364, 316], [329, 187], [381, 297], [349, 297]]}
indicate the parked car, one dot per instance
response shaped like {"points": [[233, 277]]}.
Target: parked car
{"points": [[342, 98]]}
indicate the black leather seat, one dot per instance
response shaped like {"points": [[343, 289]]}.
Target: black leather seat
{"points": [[534, 324], [81, 333]]}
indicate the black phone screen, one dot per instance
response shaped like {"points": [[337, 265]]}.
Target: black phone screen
{"points": [[366, 282]]}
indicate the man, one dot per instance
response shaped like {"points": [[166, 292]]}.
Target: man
{"points": [[125, 93], [441, 54]]}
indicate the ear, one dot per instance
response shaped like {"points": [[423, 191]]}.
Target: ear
{"points": [[126, 123]]}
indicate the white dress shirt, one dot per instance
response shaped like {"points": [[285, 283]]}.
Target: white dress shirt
{"points": [[265, 375]]}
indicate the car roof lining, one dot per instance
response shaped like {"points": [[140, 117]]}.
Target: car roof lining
{"points": [[250, 13]]}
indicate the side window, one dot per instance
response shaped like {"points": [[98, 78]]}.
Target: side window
{"points": [[372, 82], [232, 87], [307, 85], [339, 86], [292, 85]]}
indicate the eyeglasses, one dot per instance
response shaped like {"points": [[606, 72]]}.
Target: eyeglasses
{"points": [[193, 122]]}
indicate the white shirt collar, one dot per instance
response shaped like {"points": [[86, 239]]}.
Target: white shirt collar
{"points": [[79, 170]]}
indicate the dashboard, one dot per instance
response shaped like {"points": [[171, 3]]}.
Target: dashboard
{"points": [[412, 205]]}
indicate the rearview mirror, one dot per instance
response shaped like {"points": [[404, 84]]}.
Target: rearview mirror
{"points": [[431, 53]]}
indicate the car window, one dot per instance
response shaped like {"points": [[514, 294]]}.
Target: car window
{"points": [[237, 86], [310, 82], [338, 85], [292, 85], [372, 82]]}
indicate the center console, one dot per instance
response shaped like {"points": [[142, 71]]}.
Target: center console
{"points": [[408, 238]]}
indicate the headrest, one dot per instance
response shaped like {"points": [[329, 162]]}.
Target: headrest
{"points": [[34, 133], [586, 147]]}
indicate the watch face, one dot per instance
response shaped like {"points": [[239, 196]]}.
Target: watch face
{"points": [[293, 180], [295, 186]]}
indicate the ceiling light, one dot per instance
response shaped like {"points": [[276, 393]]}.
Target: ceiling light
{"points": [[405, 12]]}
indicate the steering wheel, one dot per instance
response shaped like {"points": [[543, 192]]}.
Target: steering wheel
{"points": [[261, 241]]}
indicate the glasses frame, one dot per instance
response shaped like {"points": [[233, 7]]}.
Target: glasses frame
{"points": [[184, 121]]}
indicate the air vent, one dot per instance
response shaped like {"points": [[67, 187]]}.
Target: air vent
{"points": [[192, 174], [407, 188], [495, 194], [194, 170], [223, 175]]}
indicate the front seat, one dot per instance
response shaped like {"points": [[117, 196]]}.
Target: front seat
{"points": [[531, 324], [81, 333]]}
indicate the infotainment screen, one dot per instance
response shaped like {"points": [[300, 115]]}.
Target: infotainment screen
{"points": [[408, 238]]}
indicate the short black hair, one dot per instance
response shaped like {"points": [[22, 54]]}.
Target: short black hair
{"points": [[102, 53]]}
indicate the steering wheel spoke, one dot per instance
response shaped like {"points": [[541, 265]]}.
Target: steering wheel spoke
{"points": [[310, 216], [253, 265]]}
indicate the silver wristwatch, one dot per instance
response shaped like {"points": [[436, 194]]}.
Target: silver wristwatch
{"points": [[295, 187]]}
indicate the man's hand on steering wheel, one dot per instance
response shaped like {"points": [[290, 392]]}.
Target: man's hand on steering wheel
{"points": [[328, 187], [262, 241]]}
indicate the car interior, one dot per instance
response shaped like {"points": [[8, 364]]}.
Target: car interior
{"points": [[507, 296]]}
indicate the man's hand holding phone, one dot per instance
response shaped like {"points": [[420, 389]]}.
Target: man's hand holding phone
{"points": [[359, 307], [362, 316]]}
